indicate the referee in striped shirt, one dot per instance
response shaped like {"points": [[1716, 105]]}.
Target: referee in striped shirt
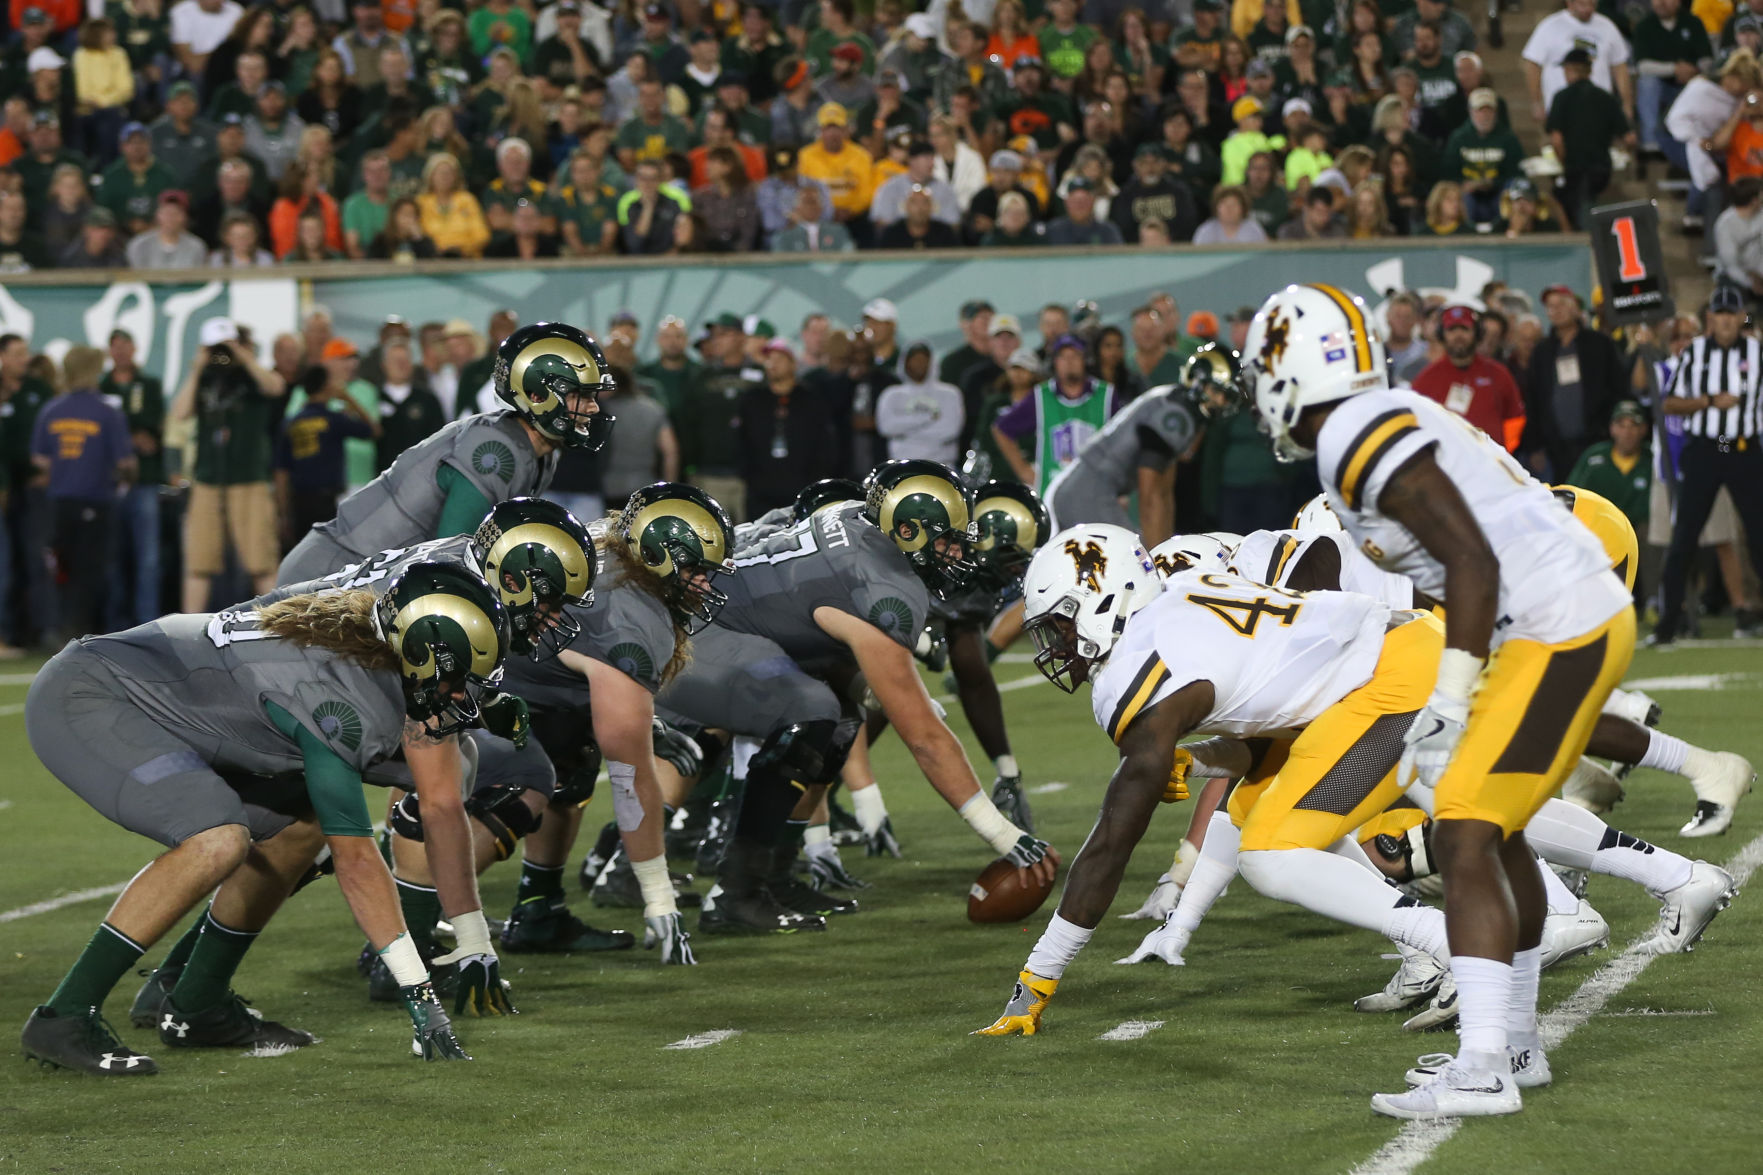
{"points": [[1718, 390]]}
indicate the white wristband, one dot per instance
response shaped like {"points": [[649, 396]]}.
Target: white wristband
{"points": [[656, 885], [984, 818], [1458, 673], [471, 934], [404, 961], [1006, 765]]}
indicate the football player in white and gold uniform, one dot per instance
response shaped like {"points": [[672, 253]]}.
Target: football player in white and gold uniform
{"points": [[1210, 653], [1537, 635]]}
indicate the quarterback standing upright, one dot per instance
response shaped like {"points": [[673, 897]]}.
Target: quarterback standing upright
{"points": [[1538, 631]]}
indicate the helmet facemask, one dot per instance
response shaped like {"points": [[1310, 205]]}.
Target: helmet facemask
{"points": [[691, 590], [1063, 656], [571, 424], [445, 700], [540, 625], [941, 559]]}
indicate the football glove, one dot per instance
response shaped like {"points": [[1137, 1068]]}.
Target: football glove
{"points": [[668, 932], [882, 842], [1022, 1015], [1166, 942], [1163, 897], [479, 989], [432, 1036], [678, 749], [506, 716], [1010, 800], [1027, 852], [1431, 740], [1177, 788]]}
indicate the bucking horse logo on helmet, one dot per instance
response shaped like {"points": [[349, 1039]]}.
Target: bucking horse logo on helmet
{"points": [[1092, 564]]}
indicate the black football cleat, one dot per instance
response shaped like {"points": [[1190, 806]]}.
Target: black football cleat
{"points": [[546, 927], [85, 1042], [144, 1012], [228, 1024], [805, 899], [753, 913]]}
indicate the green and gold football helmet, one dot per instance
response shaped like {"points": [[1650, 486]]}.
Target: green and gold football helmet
{"points": [[540, 368], [921, 505], [1011, 522], [828, 491], [683, 537], [538, 558], [1213, 381], [450, 633]]}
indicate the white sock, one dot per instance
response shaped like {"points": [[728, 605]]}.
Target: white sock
{"points": [[817, 842], [1555, 891], [1057, 947], [1212, 872], [741, 754], [1484, 990], [1633, 859], [1566, 834], [1521, 1003], [870, 809], [1665, 752], [1420, 927], [1353, 851], [1324, 883]]}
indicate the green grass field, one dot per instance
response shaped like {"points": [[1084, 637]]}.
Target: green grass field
{"points": [[853, 1050]]}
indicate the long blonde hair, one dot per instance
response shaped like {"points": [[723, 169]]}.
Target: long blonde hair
{"points": [[338, 622], [645, 581]]}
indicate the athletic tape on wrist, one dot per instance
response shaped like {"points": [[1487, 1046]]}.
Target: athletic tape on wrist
{"points": [[984, 818], [657, 887], [404, 961], [471, 934]]}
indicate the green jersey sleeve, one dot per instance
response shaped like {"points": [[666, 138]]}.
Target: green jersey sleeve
{"points": [[333, 786], [464, 507]]}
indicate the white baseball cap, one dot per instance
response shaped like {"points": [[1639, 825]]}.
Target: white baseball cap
{"points": [[922, 25], [1006, 324], [217, 331], [881, 310], [1025, 357], [43, 57]]}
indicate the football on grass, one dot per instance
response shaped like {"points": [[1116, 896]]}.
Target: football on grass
{"points": [[1005, 893]]}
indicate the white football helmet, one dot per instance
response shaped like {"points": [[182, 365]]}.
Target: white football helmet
{"points": [[1317, 517], [1309, 345], [1211, 551], [1077, 595]]}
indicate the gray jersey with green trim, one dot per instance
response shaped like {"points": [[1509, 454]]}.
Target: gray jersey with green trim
{"points": [[1151, 432], [206, 678], [767, 524], [402, 506], [836, 559], [377, 573], [625, 627]]}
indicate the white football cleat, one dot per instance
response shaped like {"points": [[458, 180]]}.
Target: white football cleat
{"points": [[1720, 779], [1568, 936], [1530, 1067], [1633, 705], [1166, 942], [1415, 980], [1686, 911], [1455, 1091], [1593, 787], [1162, 900], [1441, 1012]]}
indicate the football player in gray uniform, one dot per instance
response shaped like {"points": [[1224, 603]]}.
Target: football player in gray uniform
{"points": [[811, 499], [840, 593], [550, 375], [238, 740], [596, 700]]}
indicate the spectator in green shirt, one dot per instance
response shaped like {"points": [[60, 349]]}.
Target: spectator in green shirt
{"points": [[1621, 468], [365, 211], [498, 23], [142, 399], [239, 96], [837, 28], [130, 187], [1064, 41], [514, 182], [673, 373], [1482, 156], [651, 133], [587, 207]]}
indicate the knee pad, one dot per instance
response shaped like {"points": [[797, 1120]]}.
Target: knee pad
{"points": [[500, 809], [807, 752]]}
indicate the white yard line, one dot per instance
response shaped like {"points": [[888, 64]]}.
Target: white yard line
{"points": [[66, 899], [17, 678], [1415, 1143], [1047, 789], [1689, 681], [1131, 1030], [704, 1040]]}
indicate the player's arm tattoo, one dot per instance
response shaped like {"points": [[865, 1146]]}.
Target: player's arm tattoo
{"points": [[418, 734]]}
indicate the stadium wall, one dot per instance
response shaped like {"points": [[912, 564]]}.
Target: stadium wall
{"points": [[164, 311]]}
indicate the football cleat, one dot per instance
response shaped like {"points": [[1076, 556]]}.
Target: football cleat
{"points": [[617, 888], [1022, 1015], [754, 913], [228, 1024], [144, 1012], [719, 828], [1440, 1012], [1454, 1091], [605, 846], [1593, 787], [1685, 912], [1568, 936], [1721, 779], [547, 927], [85, 1042], [1415, 981], [806, 899], [827, 871], [1530, 1067], [1166, 942]]}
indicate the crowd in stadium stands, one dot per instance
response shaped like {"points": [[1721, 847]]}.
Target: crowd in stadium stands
{"points": [[140, 498], [203, 133]]}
